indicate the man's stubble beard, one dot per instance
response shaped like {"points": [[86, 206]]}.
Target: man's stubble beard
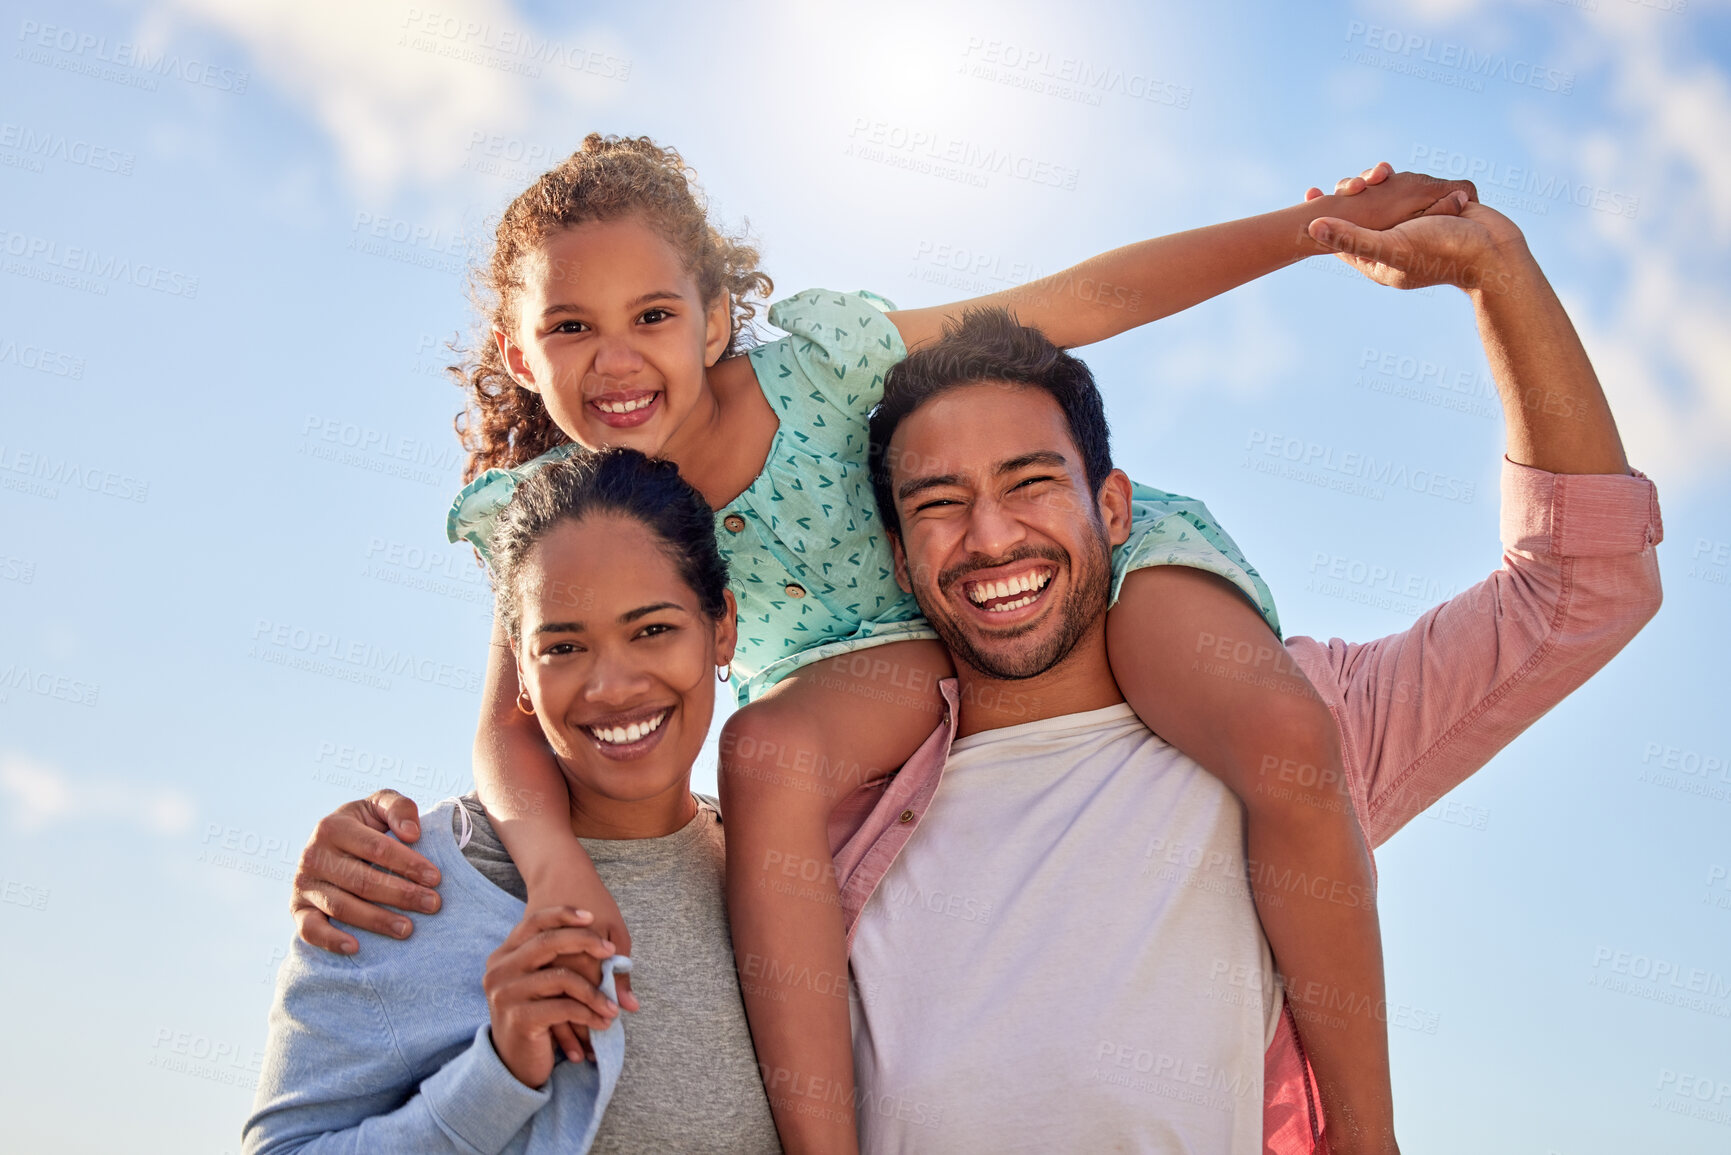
{"points": [[1084, 605]]}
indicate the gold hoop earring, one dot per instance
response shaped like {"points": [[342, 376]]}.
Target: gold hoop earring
{"points": [[722, 673], [524, 705]]}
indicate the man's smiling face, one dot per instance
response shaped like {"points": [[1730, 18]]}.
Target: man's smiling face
{"points": [[1002, 541]]}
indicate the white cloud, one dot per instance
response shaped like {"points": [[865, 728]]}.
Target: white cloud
{"points": [[1649, 111], [401, 89], [39, 796]]}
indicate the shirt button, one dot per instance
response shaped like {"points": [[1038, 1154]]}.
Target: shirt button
{"points": [[734, 523], [907, 816], [795, 590]]}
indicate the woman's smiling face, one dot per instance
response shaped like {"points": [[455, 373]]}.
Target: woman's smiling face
{"points": [[614, 335], [619, 660]]}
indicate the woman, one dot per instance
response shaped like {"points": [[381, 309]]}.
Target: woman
{"points": [[614, 598]]}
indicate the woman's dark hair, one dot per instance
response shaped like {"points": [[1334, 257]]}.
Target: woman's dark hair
{"points": [[989, 345], [609, 178], [610, 481]]}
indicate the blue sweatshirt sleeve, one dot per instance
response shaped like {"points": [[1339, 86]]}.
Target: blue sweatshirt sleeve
{"points": [[335, 1076]]}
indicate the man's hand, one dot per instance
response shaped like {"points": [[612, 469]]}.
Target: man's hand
{"points": [[1557, 415], [529, 994], [1466, 244], [336, 876]]}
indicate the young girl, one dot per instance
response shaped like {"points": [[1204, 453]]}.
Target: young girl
{"points": [[617, 316]]}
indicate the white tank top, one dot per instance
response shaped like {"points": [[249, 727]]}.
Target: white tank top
{"points": [[1066, 955]]}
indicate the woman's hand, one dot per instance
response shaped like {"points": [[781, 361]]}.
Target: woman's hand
{"points": [[529, 994], [336, 876]]}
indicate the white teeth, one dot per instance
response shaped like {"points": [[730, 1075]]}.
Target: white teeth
{"points": [[981, 592], [624, 406], [623, 735], [1015, 605]]}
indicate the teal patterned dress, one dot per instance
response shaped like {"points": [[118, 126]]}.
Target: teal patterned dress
{"points": [[808, 561]]}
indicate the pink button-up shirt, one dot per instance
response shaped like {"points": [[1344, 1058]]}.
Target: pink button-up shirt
{"points": [[1419, 711]]}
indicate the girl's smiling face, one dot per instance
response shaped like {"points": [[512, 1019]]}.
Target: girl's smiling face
{"points": [[614, 335], [619, 660]]}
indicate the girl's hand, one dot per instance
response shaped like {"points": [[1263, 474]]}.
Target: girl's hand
{"points": [[530, 993], [1348, 186], [336, 879], [607, 923], [1380, 198]]}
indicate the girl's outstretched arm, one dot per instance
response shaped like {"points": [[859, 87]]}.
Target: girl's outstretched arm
{"points": [[1119, 290], [1260, 728], [530, 806]]}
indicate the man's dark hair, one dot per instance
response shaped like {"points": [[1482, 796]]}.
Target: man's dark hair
{"points": [[989, 345]]}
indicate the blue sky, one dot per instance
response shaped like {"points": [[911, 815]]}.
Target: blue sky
{"points": [[233, 242]]}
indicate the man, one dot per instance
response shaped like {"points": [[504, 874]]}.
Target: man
{"points": [[1053, 943], [1052, 939]]}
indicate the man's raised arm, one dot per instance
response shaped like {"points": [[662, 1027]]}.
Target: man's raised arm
{"points": [[1423, 709]]}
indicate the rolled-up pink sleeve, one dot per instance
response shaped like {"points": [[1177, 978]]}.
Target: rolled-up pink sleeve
{"points": [[1422, 710]]}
